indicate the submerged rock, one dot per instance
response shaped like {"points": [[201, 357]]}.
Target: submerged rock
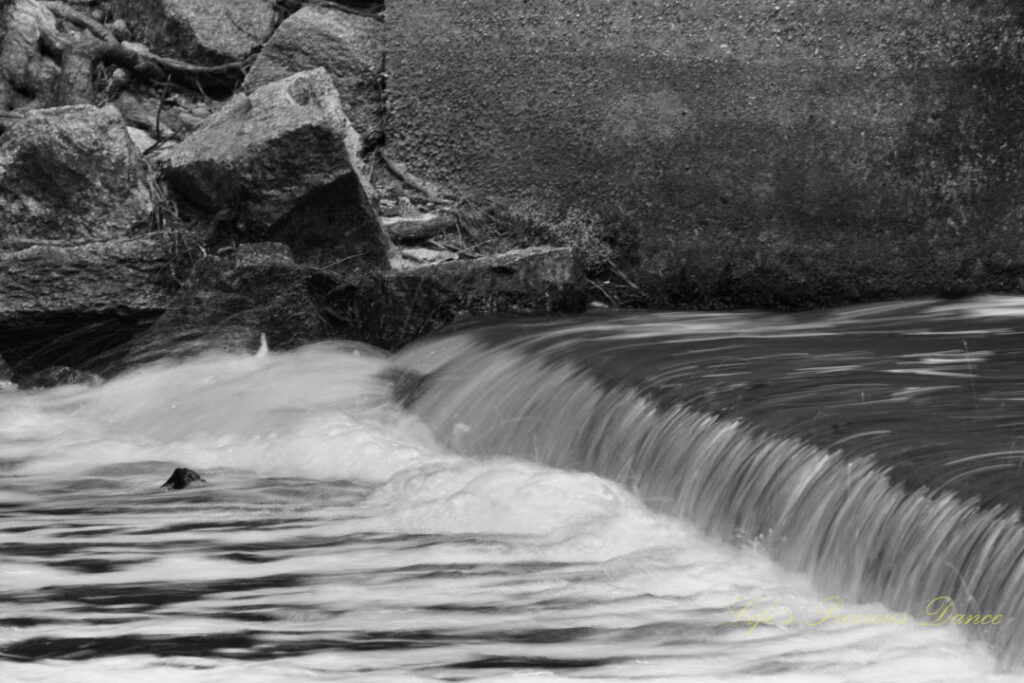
{"points": [[406, 385], [229, 301], [183, 478], [71, 173], [349, 46], [204, 31], [281, 164]]}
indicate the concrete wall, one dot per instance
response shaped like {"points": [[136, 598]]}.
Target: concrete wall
{"points": [[734, 152]]}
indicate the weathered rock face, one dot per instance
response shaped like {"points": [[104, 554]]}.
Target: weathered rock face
{"points": [[70, 173], [69, 305], [26, 73], [203, 31], [419, 300], [85, 279], [228, 301], [280, 164], [349, 46]]}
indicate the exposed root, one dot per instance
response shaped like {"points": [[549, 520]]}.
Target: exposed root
{"points": [[63, 11]]}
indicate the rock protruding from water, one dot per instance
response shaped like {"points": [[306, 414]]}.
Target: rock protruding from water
{"points": [[202, 31], [281, 164], [230, 300], [183, 478], [349, 46], [71, 173]]}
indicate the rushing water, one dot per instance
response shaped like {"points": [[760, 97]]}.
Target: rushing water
{"points": [[725, 497]]}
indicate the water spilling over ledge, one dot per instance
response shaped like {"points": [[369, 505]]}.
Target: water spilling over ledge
{"points": [[878, 448], [858, 464]]}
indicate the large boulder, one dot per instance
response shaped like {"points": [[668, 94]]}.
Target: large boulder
{"points": [[349, 46], [230, 300], [204, 31], [71, 173], [26, 73], [281, 164]]}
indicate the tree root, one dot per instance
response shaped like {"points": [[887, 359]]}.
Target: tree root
{"points": [[79, 57], [63, 11]]}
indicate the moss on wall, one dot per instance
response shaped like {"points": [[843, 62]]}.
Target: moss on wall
{"points": [[787, 154]]}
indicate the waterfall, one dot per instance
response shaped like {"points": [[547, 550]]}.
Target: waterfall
{"points": [[864, 534]]}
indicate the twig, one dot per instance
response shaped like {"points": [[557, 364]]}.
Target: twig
{"points": [[611, 299], [447, 247], [418, 229], [178, 66], [624, 278], [159, 110]]}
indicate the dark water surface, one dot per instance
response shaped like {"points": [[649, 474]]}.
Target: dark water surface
{"points": [[642, 497]]}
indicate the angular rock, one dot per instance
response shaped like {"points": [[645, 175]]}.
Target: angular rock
{"points": [[419, 300], [349, 46], [123, 276], [281, 164], [77, 305], [229, 301], [141, 139], [27, 75], [71, 173], [202, 31]]}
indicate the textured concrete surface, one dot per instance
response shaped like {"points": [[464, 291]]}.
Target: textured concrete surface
{"points": [[784, 154]]}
